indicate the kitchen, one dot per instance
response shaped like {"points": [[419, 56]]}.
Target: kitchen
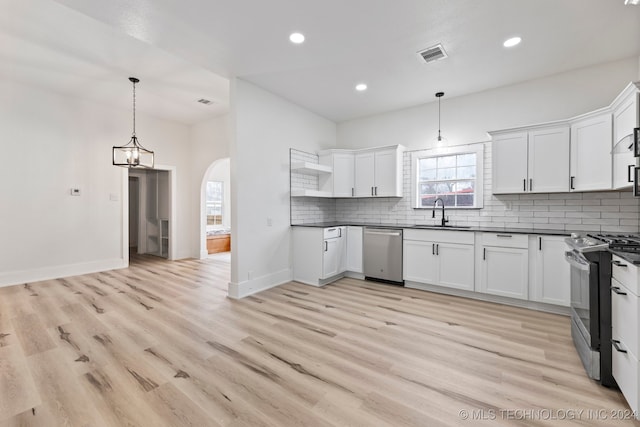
{"points": [[277, 125]]}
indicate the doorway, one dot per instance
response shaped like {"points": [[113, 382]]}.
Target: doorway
{"points": [[151, 212], [215, 241]]}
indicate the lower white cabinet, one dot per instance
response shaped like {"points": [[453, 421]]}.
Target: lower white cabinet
{"points": [[549, 277], [503, 260], [319, 254], [442, 258], [354, 249], [625, 329]]}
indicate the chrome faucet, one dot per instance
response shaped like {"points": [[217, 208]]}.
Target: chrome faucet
{"points": [[433, 212]]}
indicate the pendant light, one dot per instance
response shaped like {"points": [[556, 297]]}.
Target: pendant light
{"points": [[440, 140], [132, 154]]}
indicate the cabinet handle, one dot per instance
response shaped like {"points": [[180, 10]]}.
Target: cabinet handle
{"points": [[539, 243], [340, 232], [530, 184], [326, 246], [571, 186], [504, 235], [433, 249], [372, 191], [524, 184], [376, 190], [437, 248], [484, 253], [630, 168], [353, 192], [619, 264], [617, 290], [616, 345]]}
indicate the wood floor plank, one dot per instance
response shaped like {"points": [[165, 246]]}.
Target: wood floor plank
{"points": [[18, 392], [159, 343]]}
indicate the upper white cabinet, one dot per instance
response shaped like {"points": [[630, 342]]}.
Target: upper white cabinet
{"points": [[341, 182], [531, 160], [375, 172], [626, 117], [549, 280], [509, 163], [591, 161], [378, 173]]}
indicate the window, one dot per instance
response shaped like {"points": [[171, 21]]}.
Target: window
{"points": [[454, 175], [214, 202]]}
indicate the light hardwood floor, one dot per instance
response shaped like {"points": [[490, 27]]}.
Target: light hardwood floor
{"points": [[159, 344]]}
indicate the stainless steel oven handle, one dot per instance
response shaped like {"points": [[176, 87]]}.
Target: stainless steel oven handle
{"points": [[571, 258]]}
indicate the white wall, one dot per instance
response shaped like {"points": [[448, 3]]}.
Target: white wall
{"points": [[210, 141], [51, 143], [265, 126], [467, 119]]}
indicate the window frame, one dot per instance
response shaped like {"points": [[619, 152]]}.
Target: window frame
{"points": [[212, 203], [416, 156]]}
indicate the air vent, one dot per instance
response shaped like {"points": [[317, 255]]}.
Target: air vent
{"points": [[205, 101], [433, 53]]}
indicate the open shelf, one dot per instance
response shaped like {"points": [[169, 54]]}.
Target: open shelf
{"points": [[309, 193], [311, 168]]}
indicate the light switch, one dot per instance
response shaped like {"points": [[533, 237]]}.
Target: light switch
{"points": [[114, 197]]}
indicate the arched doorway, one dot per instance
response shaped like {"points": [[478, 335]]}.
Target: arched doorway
{"points": [[215, 210]]}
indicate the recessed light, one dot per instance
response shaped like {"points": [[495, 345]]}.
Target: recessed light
{"points": [[513, 41], [296, 38], [361, 87]]}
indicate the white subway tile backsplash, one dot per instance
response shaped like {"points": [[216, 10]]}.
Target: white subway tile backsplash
{"points": [[612, 211]]}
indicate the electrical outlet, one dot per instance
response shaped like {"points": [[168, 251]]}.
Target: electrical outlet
{"points": [[75, 191], [249, 274], [269, 222]]}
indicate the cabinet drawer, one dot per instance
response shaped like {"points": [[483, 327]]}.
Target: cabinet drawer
{"points": [[624, 316], [506, 240], [449, 236], [333, 232], [625, 371], [626, 273]]}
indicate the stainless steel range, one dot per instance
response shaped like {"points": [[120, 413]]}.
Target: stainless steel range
{"points": [[590, 260]]}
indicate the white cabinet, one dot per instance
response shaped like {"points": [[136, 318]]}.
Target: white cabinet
{"points": [[503, 264], [378, 173], [626, 117], [354, 249], [509, 163], [625, 322], [443, 258], [375, 172], [591, 164], [549, 279], [531, 160], [319, 254], [341, 182]]}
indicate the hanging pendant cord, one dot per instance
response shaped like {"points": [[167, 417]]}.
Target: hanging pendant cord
{"points": [[439, 117], [134, 109]]}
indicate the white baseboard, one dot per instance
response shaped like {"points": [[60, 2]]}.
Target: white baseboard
{"points": [[10, 278], [250, 287]]}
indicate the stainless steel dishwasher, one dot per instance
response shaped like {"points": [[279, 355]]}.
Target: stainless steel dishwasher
{"points": [[383, 254]]}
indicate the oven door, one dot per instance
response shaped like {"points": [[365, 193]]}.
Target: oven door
{"points": [[585, 329]]}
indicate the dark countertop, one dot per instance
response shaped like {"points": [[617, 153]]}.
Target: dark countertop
{"points": [[452, 228], [632, 257]]}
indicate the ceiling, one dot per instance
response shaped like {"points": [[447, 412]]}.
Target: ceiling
{"points": [[176, 46]]}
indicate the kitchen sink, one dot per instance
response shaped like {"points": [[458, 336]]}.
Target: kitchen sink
{"points": [[452, 227]]}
